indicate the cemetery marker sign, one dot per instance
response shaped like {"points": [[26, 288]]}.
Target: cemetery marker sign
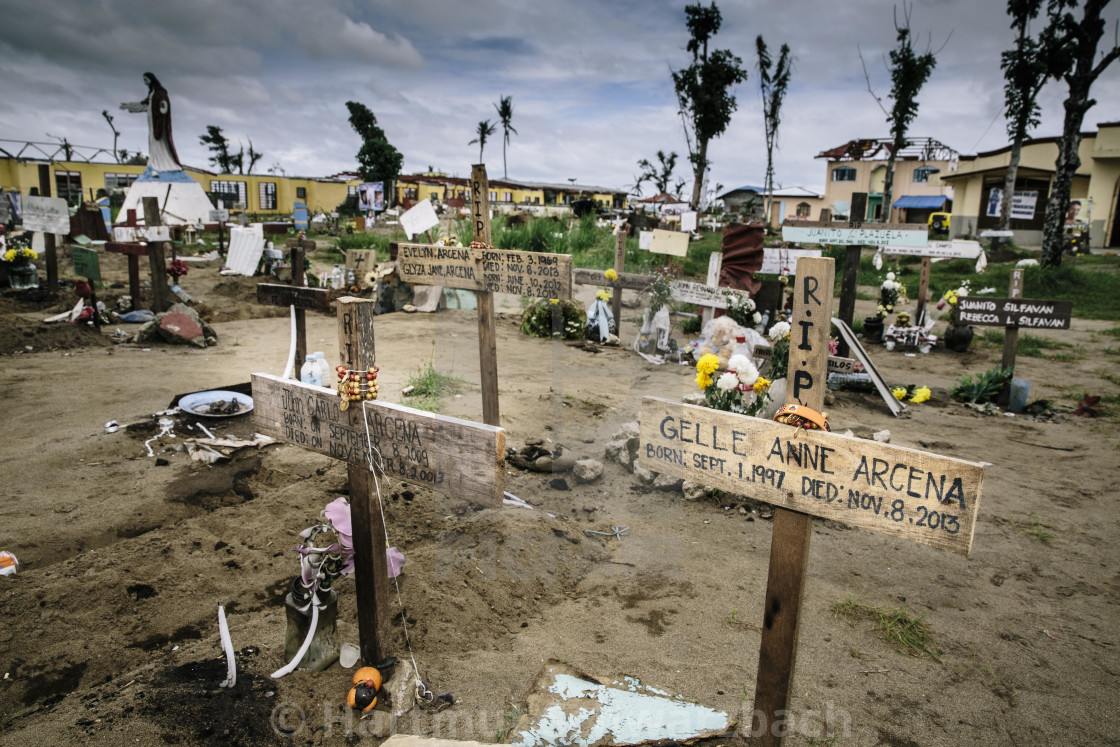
{"points": [[890, 489], [447, 454], [856, 232]]}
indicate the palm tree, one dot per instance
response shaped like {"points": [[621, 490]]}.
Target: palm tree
{"points": [[485, 130], [505, 113]]}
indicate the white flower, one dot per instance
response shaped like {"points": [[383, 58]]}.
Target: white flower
{"points": [[727, 382], [756, 319], [890, 276], [738, 362], [749, 374], [779, 331], [963, 290]]}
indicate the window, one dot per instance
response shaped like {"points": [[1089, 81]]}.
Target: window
{"points": [[434, 196], [229, 194], [493, 195], [411, 193], [69, 186], [267, 195], [119, 181], [351, 189], [921, 174], [803, 210], [536, 200], [843, 174], [507, 196], [301, 193]]}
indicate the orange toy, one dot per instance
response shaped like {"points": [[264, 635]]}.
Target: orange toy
{"points": [[363, 695]]}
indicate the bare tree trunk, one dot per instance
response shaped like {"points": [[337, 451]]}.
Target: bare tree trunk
{"points": [[888, 187], [1067, 164], [701, 167], [1009, 185], [769, 186]]}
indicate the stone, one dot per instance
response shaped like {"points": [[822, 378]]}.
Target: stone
{"points": [[613, 448], [694, 398], [628, 431], [883, 436], [694, 491], [543, 464], [400, 689], [626, 459], [644, 475], [176, 327], [558, 483], [668, 483], [587, 470]]}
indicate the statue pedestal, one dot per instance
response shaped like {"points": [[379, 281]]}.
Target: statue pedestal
{"points": [[181, 199]]}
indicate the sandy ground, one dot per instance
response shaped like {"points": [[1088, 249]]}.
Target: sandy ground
{"points": [[111, 635]]}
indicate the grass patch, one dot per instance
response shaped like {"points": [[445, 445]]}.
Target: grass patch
{"points": [[430, 387], [1033, 527], [1112, 332], [905, 631], [985, 387]]}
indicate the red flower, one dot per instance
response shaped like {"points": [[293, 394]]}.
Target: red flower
{"points": [[1089, 407]]}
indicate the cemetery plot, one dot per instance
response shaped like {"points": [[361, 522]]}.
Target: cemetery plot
{"points": [[890, 489], [453, 456], [492, 270], [1015, 312]]}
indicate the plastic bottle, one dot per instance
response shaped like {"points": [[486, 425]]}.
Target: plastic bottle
{"points": [[336, 278], [309, 372], [761, 328], [324, 367], [351, 279]]}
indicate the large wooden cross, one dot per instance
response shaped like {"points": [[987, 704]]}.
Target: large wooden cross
{"points": [[296, 294], [911, 494], [453, 456], [486, 271]]}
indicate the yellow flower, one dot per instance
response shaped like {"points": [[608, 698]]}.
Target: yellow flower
{"points": [[554, 301], [603, 295], [611, 275], [921, 394], [707, 364], [703, 380], [762, 385], [9, 255], [899, 392]]}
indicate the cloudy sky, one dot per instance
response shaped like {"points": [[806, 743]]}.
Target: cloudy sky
{"points": [[590, 81]]}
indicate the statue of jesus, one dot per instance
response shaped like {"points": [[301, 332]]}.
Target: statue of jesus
{"points": [[161, 148]]}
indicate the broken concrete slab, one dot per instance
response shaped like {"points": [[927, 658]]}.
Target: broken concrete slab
{"points": [[567, 706]]}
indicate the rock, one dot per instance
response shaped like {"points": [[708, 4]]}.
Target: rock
{"points": [[563, 460], [534, 442], [543, 464], [668, 483], [644, 475], [693, 398], [148, 333], [178, 328], [627, 431], [400, 689], [743, 511], [693, 491], [558, 483], [611, 452], [848, 434], [627, 459], [587, 470], [883, 436], [408, 308]]}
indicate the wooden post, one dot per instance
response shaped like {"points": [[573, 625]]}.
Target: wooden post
{"points": [[715, 264], [923, 291], [371, 575], [487, 335], [619, 267], [847, 309], [301, 315], [789, 545], [161, 294], [49, 248], [1011, 336]]}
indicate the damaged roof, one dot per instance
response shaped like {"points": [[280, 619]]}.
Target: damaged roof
{"points": [[917, 149]]}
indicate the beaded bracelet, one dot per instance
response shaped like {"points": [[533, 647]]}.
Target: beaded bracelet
{"points": [[355, 385]]}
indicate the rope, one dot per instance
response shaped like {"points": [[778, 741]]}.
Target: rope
{"points": [[423, 694]]}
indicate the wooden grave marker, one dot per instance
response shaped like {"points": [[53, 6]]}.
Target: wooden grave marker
{"points": [[454, 456], [940, 249], [135, 242], [486, 271], [907, 493], [87, 264], [296, 294], [49, 216]]}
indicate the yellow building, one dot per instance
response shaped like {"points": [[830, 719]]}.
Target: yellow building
{"points": [[506, 195], [24, 167], [861, 166], [1096, 186]]}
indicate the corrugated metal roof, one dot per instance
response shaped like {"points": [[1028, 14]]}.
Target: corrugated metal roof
{"points": [[920, 202]]}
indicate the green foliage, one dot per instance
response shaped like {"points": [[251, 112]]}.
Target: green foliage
{"points": [[907, 632], [773, 86], [548, 317], [351, 241], [691, 325], [985, 387], [704, 88], [505, 116], [377, 159], [430, 387], [218, 145]]}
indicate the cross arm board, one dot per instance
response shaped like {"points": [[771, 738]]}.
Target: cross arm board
{"points": [[453, 456], [538, 274], [907, 493]]}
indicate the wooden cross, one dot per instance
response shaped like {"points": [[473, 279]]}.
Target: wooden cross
{"points": [[911, 494], [153, 250], [453, 456], [316, 299], [944, 249], [486, 271]]}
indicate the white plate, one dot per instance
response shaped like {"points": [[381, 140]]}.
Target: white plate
{"points": [[197, 403]]}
